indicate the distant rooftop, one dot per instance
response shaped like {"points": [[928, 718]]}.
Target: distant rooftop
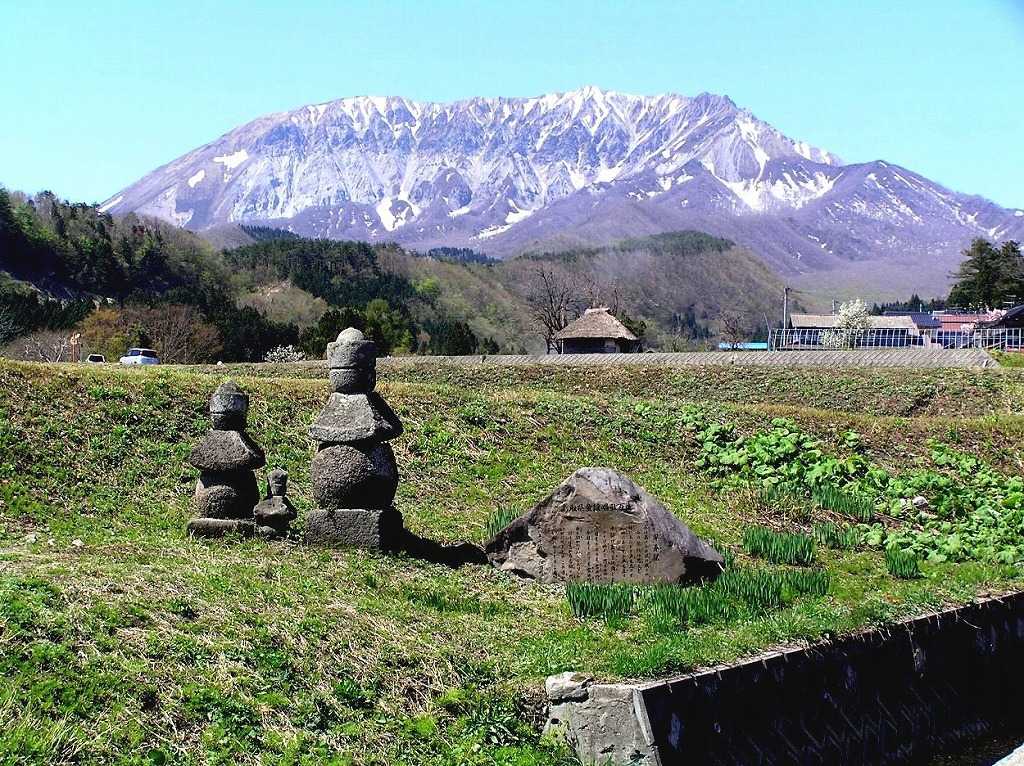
{"points": [[923, 319], [596, 323], [811, 321]]}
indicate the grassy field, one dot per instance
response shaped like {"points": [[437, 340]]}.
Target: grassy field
{"points": [[123, 642]]}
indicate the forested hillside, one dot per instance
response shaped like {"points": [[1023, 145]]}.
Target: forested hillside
{"points": [[122, 281], [136, 281]]}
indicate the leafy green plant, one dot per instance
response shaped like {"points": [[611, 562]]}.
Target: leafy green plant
{"points": [[779, 547], [971, 511], [902, 564]]}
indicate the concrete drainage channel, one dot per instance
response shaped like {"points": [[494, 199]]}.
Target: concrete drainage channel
{"points": [[900, 695]]}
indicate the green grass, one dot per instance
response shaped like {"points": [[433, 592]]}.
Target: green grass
{"points": [[125, 642], [1009, 359]]}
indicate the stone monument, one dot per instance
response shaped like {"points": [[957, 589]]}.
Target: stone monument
{"points": [[598, 526], [274, 514], [226, 458], [354, 474]]}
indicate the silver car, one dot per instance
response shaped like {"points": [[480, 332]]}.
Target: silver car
{"points": [[140, 356]]}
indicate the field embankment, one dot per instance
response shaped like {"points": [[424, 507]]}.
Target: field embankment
{"points": [[125, 642]]}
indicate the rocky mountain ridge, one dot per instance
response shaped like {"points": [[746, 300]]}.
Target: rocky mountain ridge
{"points": [[503, 175]]}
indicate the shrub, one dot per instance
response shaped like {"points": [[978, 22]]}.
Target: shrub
{"points": [[779, 547]]}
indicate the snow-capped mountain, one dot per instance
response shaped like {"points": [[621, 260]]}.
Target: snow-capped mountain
{"points": [[588, 166]]}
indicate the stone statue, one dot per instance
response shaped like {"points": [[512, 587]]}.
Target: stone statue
{"points": [[226, 458], [354, 474], [275, 513]]}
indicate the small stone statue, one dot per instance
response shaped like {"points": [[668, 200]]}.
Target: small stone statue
{"points": [[226, 458], [275, 513], [354, 474]]}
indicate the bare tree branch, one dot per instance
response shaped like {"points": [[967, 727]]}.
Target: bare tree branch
{"points": [[734, 327], [552, 298], [40, 346]]}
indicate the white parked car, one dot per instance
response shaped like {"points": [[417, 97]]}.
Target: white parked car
{"points": [[140, 356]]}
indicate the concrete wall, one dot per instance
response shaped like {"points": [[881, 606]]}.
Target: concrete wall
{"points": [[886, 697]]}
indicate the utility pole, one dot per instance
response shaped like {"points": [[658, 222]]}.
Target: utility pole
{"points": [[833, 305], [785, 309]]}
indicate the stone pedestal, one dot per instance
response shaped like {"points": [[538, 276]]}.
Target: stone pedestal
{"points": [[356, 527], [206, 527]]}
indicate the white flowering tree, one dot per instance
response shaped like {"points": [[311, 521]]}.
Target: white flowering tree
{"points": [[852, 322], [284, 355]]}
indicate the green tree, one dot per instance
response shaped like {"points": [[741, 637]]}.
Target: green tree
{"points": [[451, 338], [389, 328], [314, 339], [989, 276]]}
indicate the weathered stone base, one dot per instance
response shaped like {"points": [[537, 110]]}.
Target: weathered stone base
{"points": [[604, 723], [379, 529], [220, 527]]}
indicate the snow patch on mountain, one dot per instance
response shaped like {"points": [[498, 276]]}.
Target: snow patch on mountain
{"points": [[111, 203], [232, 161]]}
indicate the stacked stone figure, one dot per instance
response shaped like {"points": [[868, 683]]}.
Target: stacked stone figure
{"points": [[226, 458], [354, 474], [275, 513]]}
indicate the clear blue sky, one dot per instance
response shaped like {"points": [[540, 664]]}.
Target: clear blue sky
{"points": [[96, 94]]}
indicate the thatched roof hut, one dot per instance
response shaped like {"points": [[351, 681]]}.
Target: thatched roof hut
{"points": [[597, 332]]}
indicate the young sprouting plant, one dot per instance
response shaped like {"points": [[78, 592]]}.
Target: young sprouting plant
{"points": [[498, 520], [785, 499], [604, 600], [756, 591], [779, 547], [836, 536], [850, 504], [811, 582], [675, 605], [902, 564]]}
